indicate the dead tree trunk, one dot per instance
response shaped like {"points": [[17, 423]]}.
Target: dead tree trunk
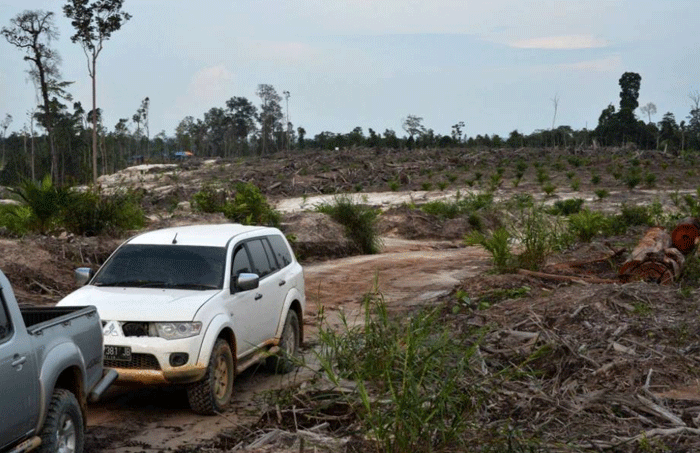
{"points": [[654, 259]]}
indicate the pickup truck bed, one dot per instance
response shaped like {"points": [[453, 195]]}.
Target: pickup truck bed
{"points": [[38, 318]]}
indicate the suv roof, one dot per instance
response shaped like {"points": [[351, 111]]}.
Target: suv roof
{"points": [[209, 235]]}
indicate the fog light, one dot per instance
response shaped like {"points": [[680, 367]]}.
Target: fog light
{"points": [[178, 358]]}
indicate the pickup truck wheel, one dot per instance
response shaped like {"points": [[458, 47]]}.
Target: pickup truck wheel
{"points": [[213, 393], [63, 430], [286, 360]]}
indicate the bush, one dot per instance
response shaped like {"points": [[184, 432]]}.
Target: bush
{"points": [[16, 219], [498, 245], [91, 213], [539, 236], [209, 200], [250, 207], [413, 375], [45, 201], [586, 224], [360, 222], [566, 207]]}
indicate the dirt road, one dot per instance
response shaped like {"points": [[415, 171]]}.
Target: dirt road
{"points": [[407, 273]]}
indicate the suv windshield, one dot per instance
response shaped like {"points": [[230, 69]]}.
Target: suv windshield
{"points": [[164, 266]]}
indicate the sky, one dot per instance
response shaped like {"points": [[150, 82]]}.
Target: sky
{"points": [[496, 65]]}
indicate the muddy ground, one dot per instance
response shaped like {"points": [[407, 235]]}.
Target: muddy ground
{"points": [[624, 359]]}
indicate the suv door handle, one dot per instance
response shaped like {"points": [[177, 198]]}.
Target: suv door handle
{"points": [[19, 361], [282, 282], [258, 296]]}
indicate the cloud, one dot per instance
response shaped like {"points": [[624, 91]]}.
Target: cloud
{"points": [[610, 64], [569, 42], [284, 52], [209, 85]]}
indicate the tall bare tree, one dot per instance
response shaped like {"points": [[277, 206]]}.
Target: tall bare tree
{"points": [[648, 109], [94, 23], [4, 124], [32, 32]]}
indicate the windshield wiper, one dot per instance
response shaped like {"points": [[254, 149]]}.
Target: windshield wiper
{"points": [[134, 283], [191, 286]]}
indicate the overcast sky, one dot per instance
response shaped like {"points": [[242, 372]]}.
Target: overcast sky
{"points": [[497, 65]]}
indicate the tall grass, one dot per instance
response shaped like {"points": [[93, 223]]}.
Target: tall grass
{"points": [[412, 391], [359, 221]]}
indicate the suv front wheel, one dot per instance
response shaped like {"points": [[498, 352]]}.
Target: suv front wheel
{"points": [[213, 393]]}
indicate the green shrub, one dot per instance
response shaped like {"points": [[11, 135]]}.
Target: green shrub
{"points": [[539, 236], [91, 213], [250, 207], [16, 219], [426, 186], [595, 179], [359, 220], [586, 224], [549, 189], [601, 193], [566, 207], [636, 215], [45, 201], [633, 177], [209, 200], [417, 390], [498, 245], [443, 209]]}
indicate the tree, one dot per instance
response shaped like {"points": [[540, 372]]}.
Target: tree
{"points": [[143, 112], [669, 130], [457, 132], [94, 24], [32, 32], [242, 113], [413, 125], [694, 120], [630, 83], [4, 125], [648, 109], [270, 112]]}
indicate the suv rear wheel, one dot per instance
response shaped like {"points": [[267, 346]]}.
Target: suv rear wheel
{"points": [[213, 393], [286, 359]]}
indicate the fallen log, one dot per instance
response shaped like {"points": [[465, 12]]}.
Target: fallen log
{"points": [[654, 259], [685, 235]]}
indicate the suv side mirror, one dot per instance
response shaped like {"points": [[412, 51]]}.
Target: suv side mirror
{"points": [[245, 282], [83, 275]]}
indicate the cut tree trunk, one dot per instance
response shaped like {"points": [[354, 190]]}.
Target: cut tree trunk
{"points": [[654, 259], [686, 234]]}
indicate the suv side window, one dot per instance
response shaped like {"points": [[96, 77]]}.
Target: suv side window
{"points": [[5, 325], [271, 256], [280, 250], [261, 262], [241, 263]]}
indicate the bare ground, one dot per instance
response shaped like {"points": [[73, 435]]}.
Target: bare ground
{"points": [[623, 358]]}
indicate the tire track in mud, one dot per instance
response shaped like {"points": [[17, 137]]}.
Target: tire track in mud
{"points": [[407, 273]]}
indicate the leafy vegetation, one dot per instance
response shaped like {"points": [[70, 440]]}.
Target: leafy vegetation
{"points": [[359, 220]]}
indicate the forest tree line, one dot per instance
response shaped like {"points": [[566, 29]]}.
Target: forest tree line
{"points": [[71, 143]]}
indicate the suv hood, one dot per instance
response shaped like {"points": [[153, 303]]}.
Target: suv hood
{"points": [[140, 304]]}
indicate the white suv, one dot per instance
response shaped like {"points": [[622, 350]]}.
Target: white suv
{"points": [[196, 305]]}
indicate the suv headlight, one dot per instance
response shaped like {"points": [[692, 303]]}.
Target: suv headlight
{"points": [[177, 330]]}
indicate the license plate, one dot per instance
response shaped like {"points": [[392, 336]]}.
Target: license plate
{"points": [[122, 353]]}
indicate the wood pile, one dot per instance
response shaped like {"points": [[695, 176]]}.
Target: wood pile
{"points": [[659, 256]]}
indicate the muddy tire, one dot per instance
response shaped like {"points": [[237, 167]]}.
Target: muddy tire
{"points": [[213, 393], [63, 430], [286, 360]]}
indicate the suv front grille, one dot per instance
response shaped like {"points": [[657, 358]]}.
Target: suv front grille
{"points": [[137, 362]]}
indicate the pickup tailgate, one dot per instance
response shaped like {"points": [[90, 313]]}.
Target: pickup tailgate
{"points": [[58, 331]]}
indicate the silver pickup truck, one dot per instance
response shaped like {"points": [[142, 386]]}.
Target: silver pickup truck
{"points": [[50, 367]]}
